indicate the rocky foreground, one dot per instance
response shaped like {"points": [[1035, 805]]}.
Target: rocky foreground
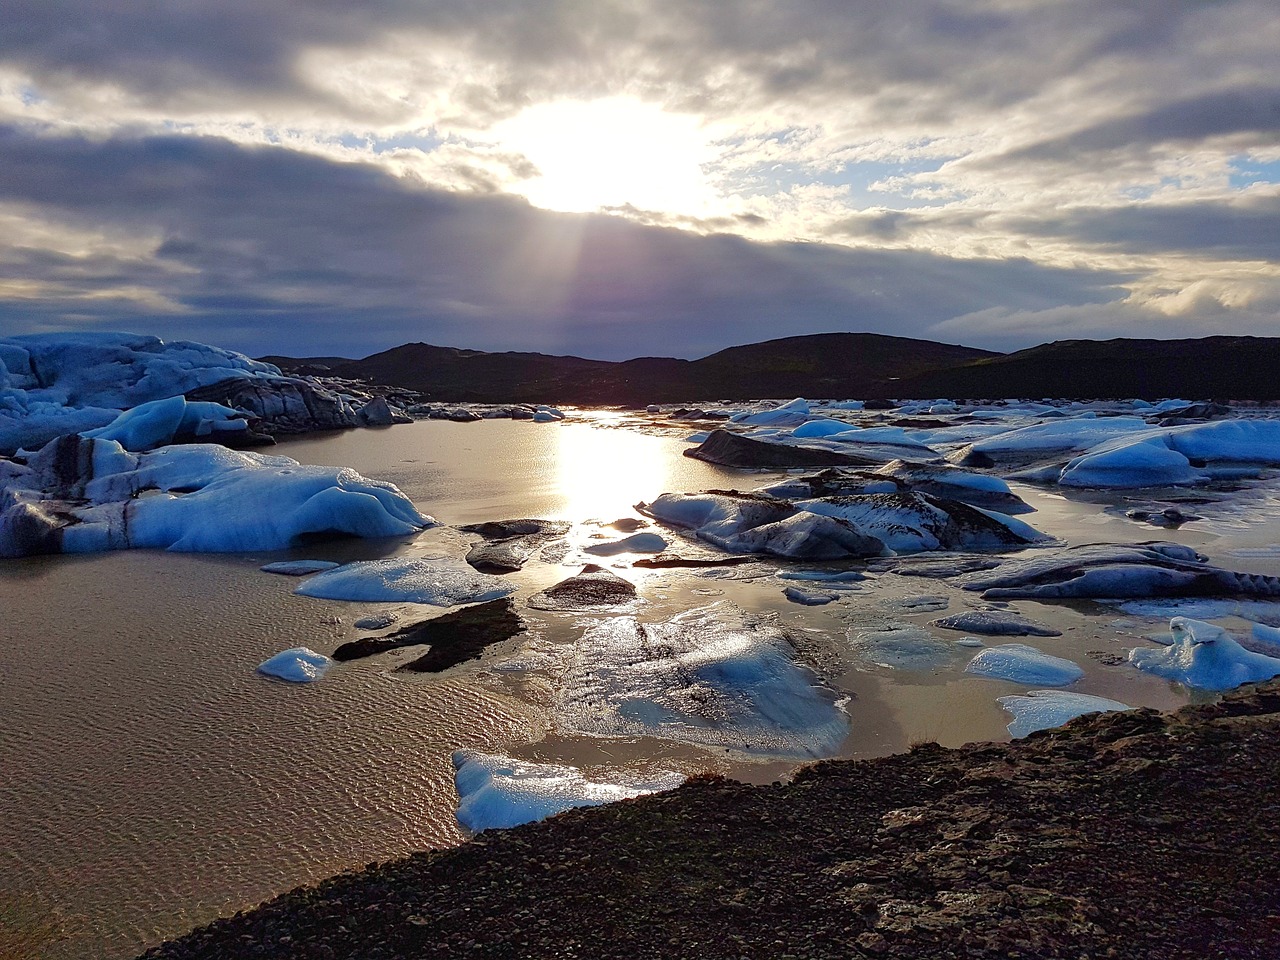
{"points": [[1123, 835]]}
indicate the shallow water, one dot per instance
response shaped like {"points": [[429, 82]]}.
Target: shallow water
{"points": [[150, 780]]}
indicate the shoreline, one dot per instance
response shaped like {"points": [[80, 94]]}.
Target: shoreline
{"points": [[1137, 834]]}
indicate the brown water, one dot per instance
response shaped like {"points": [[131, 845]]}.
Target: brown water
{"points": [[150, 780]]}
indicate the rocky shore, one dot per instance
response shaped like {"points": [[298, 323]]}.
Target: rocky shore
{"points": [[1122, 835]]}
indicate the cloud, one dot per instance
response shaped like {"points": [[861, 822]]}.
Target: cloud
{"points": [[272, 240]]}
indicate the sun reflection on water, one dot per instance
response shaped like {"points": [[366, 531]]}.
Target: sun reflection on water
{"points": [[603, 473]]}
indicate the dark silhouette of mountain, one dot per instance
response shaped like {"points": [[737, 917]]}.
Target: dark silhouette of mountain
{"points": [[1210, 367], [828, 364]]}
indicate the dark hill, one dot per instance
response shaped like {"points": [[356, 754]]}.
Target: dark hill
{"points": [[1210, 367], [829, 364]]}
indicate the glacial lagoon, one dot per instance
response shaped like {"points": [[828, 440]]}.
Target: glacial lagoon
{"points": [[150, 779]]}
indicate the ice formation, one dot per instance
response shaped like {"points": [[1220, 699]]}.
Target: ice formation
{"points": [[54, 384], [710, 676], [1046, 709], [497, 792], [636, 543], [296, 665], [161, 422], [1205, 656], [901, 646], [439, 581], [297, 568], [1024, 664], [81, 495]]}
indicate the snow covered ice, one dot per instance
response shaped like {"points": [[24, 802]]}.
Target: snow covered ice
{"points": [[1021, 663], [1046, 709], [1203, 655], [498, 792], [442, 582]]}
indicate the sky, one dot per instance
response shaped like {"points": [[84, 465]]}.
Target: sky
{"points": [[620, 178]]}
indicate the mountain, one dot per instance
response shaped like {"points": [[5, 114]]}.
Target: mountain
{"points": [[1209, 367], [828, 364]]}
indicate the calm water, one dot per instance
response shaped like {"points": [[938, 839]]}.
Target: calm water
{"points": [[150, 780]]}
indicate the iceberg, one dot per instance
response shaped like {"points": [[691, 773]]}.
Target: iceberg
{"points": [[497, 792], [161, 422], [1203, 655], [1046, 709], [80, 495], [437, 581], [1023, 664], [54, 384], [296, 665]]}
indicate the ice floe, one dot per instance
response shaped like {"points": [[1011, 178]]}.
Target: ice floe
{"points": [[1046, 709], [1024, 664], [298, 568], [1190, 453], [80, 495], [900, 476], [296, 665], [1118, 571], [901, 646], [809, 597], [636, 543], [441, 582], [710, 676], [856, 526], [1205, 656], [497, 792], [991, 623]]}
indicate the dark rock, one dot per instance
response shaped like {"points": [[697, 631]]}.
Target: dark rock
{"points": [[593, 588], [666, 560], [455, 637]]}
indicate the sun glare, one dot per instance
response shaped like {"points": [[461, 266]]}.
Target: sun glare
{"points": [[611, 153]]}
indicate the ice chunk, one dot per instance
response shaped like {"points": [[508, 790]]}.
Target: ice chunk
{"points": [[901, 646], [995, 624], [297, 568], [710, 676], [497, 792], [1045, 709], [1205, 656], [1023, 664], [636, 543], [296, 665], [809, 598], [441, 582], [160, 422]]}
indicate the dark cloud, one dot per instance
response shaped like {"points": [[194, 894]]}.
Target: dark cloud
{"points": [[1254, 110], [1242, 229], [268, 249]]}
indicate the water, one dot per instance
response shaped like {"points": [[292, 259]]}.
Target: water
{"points": [[150, 780]]}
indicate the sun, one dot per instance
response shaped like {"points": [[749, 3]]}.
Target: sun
{"points": [[612, 152]]}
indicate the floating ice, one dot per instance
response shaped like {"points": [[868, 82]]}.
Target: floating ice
{"points": [[441, 582], [1190, 453], [1205, 656], [912, 522], [1046, 709], [709, 676], [297, 568], [496, 792], [809, 598], [1023, 664], [901, 646], [296, 665], [636, 543], [80, 495], [995, 624]]}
